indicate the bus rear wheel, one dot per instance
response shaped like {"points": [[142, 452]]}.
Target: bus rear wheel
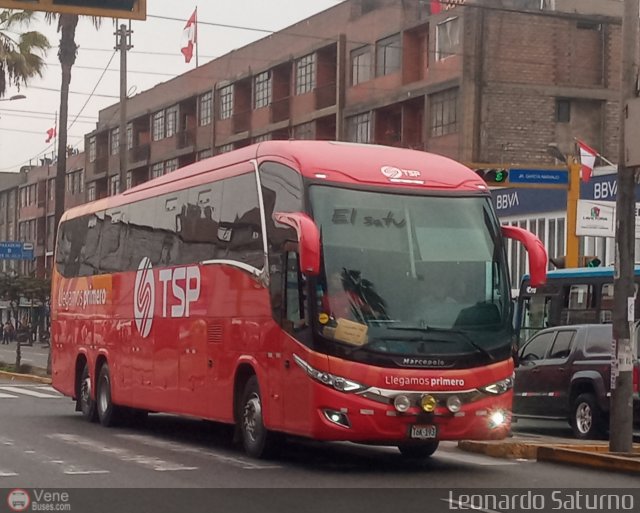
{"points": [[85, 403], [108, 413], [258, 442], [418, 451]]}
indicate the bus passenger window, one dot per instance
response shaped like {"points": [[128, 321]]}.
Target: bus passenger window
{"points": [[580, 305], [296, 301]]}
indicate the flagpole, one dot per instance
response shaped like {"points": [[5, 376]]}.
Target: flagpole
{"points": [[196, 36]]}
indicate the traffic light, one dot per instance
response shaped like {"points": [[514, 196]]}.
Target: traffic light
{"points": [[590, 261], [494, 176], [123, 9], [584, 261]]}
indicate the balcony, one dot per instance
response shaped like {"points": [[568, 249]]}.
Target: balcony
{"points": [[325, 96], [101, 165], [280, 110], [139, 155], [241, 121], [185, 139]]}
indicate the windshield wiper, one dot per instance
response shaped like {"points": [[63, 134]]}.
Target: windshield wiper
{"points": [[425, 328]]}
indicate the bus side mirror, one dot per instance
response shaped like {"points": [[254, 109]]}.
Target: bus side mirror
{"points": [[308, 239], [537, 253]]}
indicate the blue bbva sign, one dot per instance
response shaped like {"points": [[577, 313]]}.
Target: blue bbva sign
{"points": [[511, 201]]}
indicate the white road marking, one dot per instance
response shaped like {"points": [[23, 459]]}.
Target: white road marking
{"points": [[7, 396], [73, 470], [487, 461], [29, 392], [189, 449], [151, 462], [7, 473]]}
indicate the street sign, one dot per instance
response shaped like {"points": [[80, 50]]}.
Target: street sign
{"points": [[120, 9], [539, 176], [13, 250]]}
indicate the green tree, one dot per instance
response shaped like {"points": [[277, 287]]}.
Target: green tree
{"points": [[21, 54]]}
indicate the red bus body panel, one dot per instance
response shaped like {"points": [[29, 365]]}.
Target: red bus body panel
{"points": [[188, 363]]}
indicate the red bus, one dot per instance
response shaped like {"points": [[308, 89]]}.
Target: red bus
{"points": [[329, 290]]}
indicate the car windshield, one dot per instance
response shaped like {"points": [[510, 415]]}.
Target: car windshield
{"points": [[410, 274]]}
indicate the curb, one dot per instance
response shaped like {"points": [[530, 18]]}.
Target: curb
{"points": [[589, 458], [25, 377], [595, 456]]}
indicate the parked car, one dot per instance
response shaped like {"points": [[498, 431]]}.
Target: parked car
{"points": [[565, 373]]}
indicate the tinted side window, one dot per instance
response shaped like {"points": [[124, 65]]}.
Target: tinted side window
{"points": [[537, 347], [599, 340], [282, 192], [113, 243], [71, 240], [240, 227], [199, 221], [562, 345]]}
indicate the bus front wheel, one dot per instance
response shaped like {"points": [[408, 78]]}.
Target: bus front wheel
{"points": [[107, 411], [258, 442], [85, 402]]}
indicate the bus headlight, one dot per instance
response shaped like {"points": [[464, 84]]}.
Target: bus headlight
{"points": [[454, 404], [499, 387], [337, 382], [497, 419], [401, 403]]}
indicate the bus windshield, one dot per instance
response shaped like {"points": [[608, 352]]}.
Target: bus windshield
{"points": [[410, 274]]}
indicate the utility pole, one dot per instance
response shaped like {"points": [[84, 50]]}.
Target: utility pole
{"points": [[123, 45], [621, 419], [573, 196]]}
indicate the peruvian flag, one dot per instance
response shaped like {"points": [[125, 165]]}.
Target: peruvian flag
{"points": [[51, 133], [588, 160], [190, 36], [436, 7]]}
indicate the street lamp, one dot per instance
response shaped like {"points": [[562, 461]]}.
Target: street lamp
{"points": [[14, 97]]}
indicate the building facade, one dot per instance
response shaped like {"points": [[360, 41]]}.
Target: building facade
{"points": [[495, 82]]}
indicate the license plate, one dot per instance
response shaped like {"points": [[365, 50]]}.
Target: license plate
{"points": [[424, 432]]}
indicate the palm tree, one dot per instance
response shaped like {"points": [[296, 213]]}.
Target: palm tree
{"points": [[21, 54], [67, 52]]}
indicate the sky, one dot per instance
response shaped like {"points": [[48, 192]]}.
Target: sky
{"points": [[155, 58]]}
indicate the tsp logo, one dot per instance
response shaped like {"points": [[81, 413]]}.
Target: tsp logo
{"points": [[144, 297], [18, 500]]}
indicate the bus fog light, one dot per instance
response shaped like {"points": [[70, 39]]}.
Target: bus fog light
{"points": [[428, 403], [454, 404], [497, 419], [401, 403], [337, 417]]}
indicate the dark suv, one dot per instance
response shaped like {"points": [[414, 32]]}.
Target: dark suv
{"points": [[565, 373]]}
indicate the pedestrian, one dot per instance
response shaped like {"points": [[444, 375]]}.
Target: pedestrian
{"points": [[7, 332]]}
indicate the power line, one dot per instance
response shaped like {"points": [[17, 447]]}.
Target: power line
{"points": [[52, 89], [51, 114], [115, 70], [28, 116]]}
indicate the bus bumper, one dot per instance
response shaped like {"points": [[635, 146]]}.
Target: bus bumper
{"points": [[351, 417]]}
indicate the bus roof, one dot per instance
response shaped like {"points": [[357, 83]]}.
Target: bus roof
{"points": [[330, 160], [581, 272]]}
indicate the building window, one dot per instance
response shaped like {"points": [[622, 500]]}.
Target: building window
{"points": [[129, 136], [172, 121], [115, 141], [563, 111], [129, 180], [359, 128], [91, 192], [226, 102], [158, 125], [444, 112], [360, 65], [114, 185], [306, 74], [224, 148], [170, 165], [304, 131], [205, 108], [75, 182], [205, 154], [447, 38], [262, 90], [157, 170], [262, 138], [388, 55], [92, 149], [52, 189]]}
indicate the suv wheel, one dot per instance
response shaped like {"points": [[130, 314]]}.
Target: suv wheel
{"points": [[586, 419]]}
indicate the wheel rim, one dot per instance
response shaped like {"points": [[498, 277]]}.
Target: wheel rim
{"points": [[584, 418], [85, 393], [252, 418], [103, 395]]}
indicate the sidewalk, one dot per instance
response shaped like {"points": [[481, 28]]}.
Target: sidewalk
{"points": [[585, 453], [35, 355]]}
